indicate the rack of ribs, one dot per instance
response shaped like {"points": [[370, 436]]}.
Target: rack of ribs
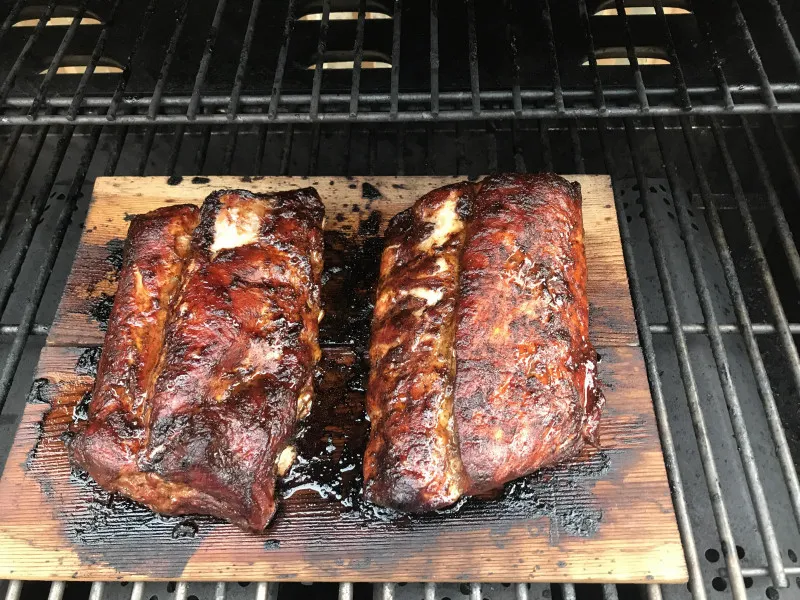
{"points": [[481, 366], [209, 356]]}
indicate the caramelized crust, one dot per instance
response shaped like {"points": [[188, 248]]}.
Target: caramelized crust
{"points": [[411, 462], [238, 357], [482, 369], [526, 395], [153, 261]]}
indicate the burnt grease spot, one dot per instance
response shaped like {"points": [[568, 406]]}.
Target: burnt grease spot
{"points": [[115, 249], [370, 192], [174, 180], [200, 180], [100, 310], [38, 393], [372, 224], [88, 361]]}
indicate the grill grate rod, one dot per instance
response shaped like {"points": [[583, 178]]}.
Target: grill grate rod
{"points": [[701, 328], [10, 147], [667, 442], [394, 101], [752, 52], [21, 185], [784, 231], [322, 44], [205, 61], [558, 92], [405, 116], [43, 276], [11, 18], [634, 62], [383, 98], [97, 53], [511, 40], [759, 370], [358, 57], [241, 70], [56, 62], [158, 90], [677, 69], [474, 75], [14, 590], [25, 236], [5, 87], [758, 250], [687, 374], [280, 69], [434, 56], [755, 487], [716, 61], [599, 96], [127, 70], [791, 44]]}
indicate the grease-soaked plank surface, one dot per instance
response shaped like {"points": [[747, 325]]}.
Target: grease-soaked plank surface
{"points": [[605, 516]]}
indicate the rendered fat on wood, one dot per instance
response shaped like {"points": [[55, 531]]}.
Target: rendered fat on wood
{"points": [[236, 366]]}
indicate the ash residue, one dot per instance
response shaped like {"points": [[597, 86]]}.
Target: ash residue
{"points": [[38, 393], [115, 248], [81, 410], [100, 310], [88, 361]]}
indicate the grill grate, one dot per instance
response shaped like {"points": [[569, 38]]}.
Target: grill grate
{"points": [[262, 61], [706, 207]]}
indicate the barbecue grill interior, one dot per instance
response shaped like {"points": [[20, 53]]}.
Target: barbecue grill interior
{"points": [[690, 106]]}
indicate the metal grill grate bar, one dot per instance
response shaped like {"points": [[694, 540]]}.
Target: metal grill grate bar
{"points": [[241, 70], [158, 90], [656, 389], [756, 489], [205, 61]]}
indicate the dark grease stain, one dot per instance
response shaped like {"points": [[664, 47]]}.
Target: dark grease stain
{"points": [[115, 249], [100, 309], [88, 360], [174, 180], [106, 526], [186, 528], [272, 544], [38, 393], [128, 217], [372, 224], [339, 217], [199, 180], [399, 186], [370, 192], [246, 179]]}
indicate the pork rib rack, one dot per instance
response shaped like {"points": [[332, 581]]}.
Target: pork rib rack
{"points": [[481, 366], [209, 356]]}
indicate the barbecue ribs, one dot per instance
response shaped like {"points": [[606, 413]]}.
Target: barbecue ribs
{"points": [[209, 356], [482, 369]]}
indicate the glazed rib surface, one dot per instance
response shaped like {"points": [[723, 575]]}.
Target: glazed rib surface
{"points": [[411, 462], [237, 361], [526, 395], [515, 388]]}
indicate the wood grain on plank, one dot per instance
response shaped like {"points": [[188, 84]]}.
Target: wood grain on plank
{"points": [[56, 525], [352, 205]]}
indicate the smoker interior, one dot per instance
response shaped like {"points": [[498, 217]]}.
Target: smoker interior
{"points": [[702, 151]]}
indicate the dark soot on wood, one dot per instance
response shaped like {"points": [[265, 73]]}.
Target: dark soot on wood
{"points": [[88, 361]]}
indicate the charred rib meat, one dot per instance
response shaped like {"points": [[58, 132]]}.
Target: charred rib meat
{"points": [[488, 357], [233, 367]]}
